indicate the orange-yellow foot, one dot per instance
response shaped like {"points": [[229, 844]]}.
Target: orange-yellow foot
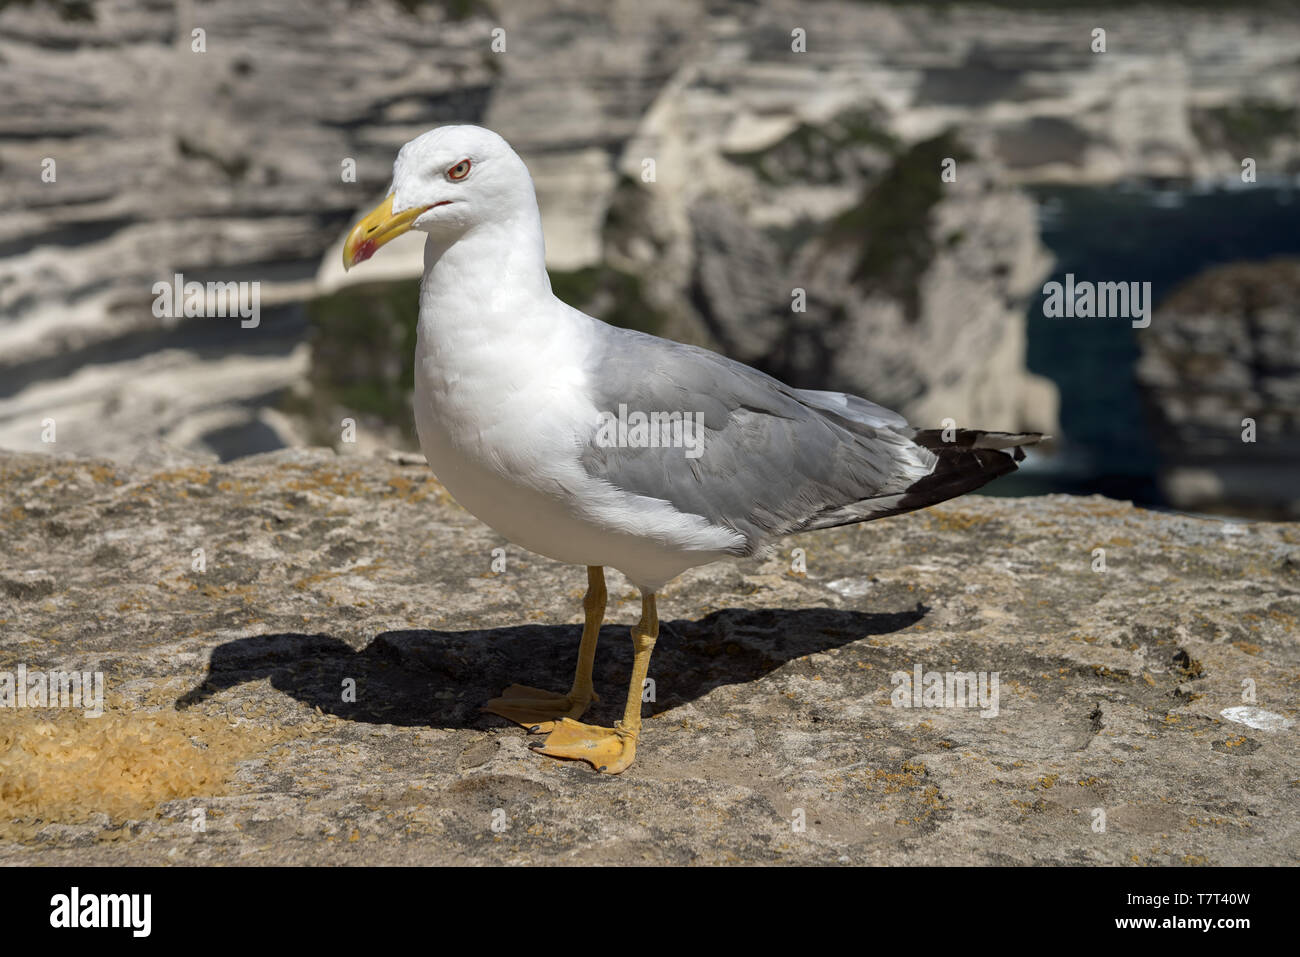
{"points": [[535, 709], [610, 750]]}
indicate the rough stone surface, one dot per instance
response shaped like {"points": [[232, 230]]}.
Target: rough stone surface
{"points": [[773, 689]]}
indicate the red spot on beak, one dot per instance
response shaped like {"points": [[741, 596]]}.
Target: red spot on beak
{"points": [[364, 251]]}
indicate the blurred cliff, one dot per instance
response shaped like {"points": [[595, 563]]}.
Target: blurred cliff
{"points": [[773, 171], [1221, 370]]}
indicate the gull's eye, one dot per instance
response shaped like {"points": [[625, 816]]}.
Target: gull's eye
{"points": [[459, 171]]}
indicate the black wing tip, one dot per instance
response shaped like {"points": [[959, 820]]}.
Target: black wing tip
{"points": [[958, 471], [938, 440]]}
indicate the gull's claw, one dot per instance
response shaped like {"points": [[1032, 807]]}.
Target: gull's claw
{"points": [[537, 709], [609, 750]]}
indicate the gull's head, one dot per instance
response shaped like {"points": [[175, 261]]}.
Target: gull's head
{"points": [[444, 183]]}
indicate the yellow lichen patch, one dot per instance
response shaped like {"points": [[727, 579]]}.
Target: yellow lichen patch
{"points": [[952, 520], [103, 473], [324, 480], [220, 591], [195, 476], [418, 490], [302, 584], [1101, 671], [58, 766], [1027, 807]]}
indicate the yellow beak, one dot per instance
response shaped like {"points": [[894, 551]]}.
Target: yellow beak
{"points": [[378, 226]]}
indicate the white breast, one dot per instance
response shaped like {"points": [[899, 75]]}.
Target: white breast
{"points": [[502, 415]]}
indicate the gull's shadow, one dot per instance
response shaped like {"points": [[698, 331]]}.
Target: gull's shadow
{"points": [[420, 677]]}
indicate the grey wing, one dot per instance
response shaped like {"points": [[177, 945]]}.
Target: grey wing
{"points": [[858, 409], [773, 459]]}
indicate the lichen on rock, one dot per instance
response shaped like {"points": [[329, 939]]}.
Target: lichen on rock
{"points": [[312, 685]]}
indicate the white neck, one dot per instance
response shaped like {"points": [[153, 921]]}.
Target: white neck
{"points": [[490, 271]]}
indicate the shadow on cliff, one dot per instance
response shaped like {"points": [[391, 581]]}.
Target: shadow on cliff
{"points": [[441, 678]]}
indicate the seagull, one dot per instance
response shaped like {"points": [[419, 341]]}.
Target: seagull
{"points": [[602, 446]]}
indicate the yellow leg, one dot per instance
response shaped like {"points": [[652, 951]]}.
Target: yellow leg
{"points": [[538, 710], [611, 749]]}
